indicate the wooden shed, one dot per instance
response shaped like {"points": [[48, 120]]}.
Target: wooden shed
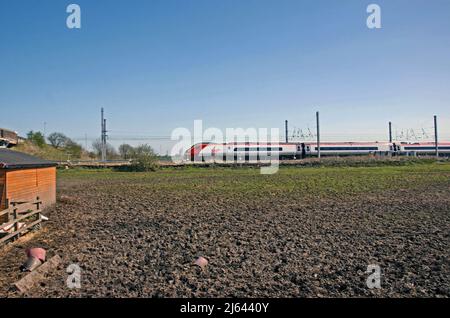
{"points": [[23, 178]]}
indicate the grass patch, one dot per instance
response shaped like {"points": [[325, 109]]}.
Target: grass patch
{"points": [[307, 181]]}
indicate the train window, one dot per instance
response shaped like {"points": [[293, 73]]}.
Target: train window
{"points": [[270, 149], [347, 148], [427, 148], [259, 149]]}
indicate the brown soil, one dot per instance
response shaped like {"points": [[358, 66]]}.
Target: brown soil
{"points": [[133, 243]]}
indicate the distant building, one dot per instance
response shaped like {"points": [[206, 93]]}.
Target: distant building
{"points": [[8, 138]]}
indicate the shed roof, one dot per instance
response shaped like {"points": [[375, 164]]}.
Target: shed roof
{"points": [[10, 159]]}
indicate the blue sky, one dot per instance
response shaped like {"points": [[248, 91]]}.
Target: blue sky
{"points": [[160, 64]]}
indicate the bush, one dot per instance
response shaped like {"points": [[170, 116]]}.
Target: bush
{"points": [[36, 138], [144, 159], [74, 149]]}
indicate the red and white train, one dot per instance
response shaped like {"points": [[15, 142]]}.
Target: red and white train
{"points": [[249, 151]]}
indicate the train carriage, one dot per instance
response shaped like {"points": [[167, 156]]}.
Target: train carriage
{"points": [[423, 148], [348, 148], [240, 152]]}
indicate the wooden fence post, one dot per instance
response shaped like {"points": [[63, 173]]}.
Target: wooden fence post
{"points": [[38, 203], [15, 216], [38, 207], [7, 207]]}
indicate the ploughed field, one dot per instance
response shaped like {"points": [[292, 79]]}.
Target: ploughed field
{"points": [[303, 232]]}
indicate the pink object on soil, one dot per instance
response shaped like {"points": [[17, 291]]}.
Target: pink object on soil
{"points": [[36, 252], [202, 262]]}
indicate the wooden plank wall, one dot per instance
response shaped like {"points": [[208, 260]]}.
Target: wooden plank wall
{"points": [[47, 186], [27, 184]]}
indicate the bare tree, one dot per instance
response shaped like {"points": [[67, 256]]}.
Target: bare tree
{"points": [[58, 140], [110, 150], [126, 151]]}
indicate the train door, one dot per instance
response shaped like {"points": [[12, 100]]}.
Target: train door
{"points": [[228, 153], [247, 152], [301, 150], [394, 146]]}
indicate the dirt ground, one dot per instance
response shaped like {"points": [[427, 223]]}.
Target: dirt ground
{"points": [[307, 232]]}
